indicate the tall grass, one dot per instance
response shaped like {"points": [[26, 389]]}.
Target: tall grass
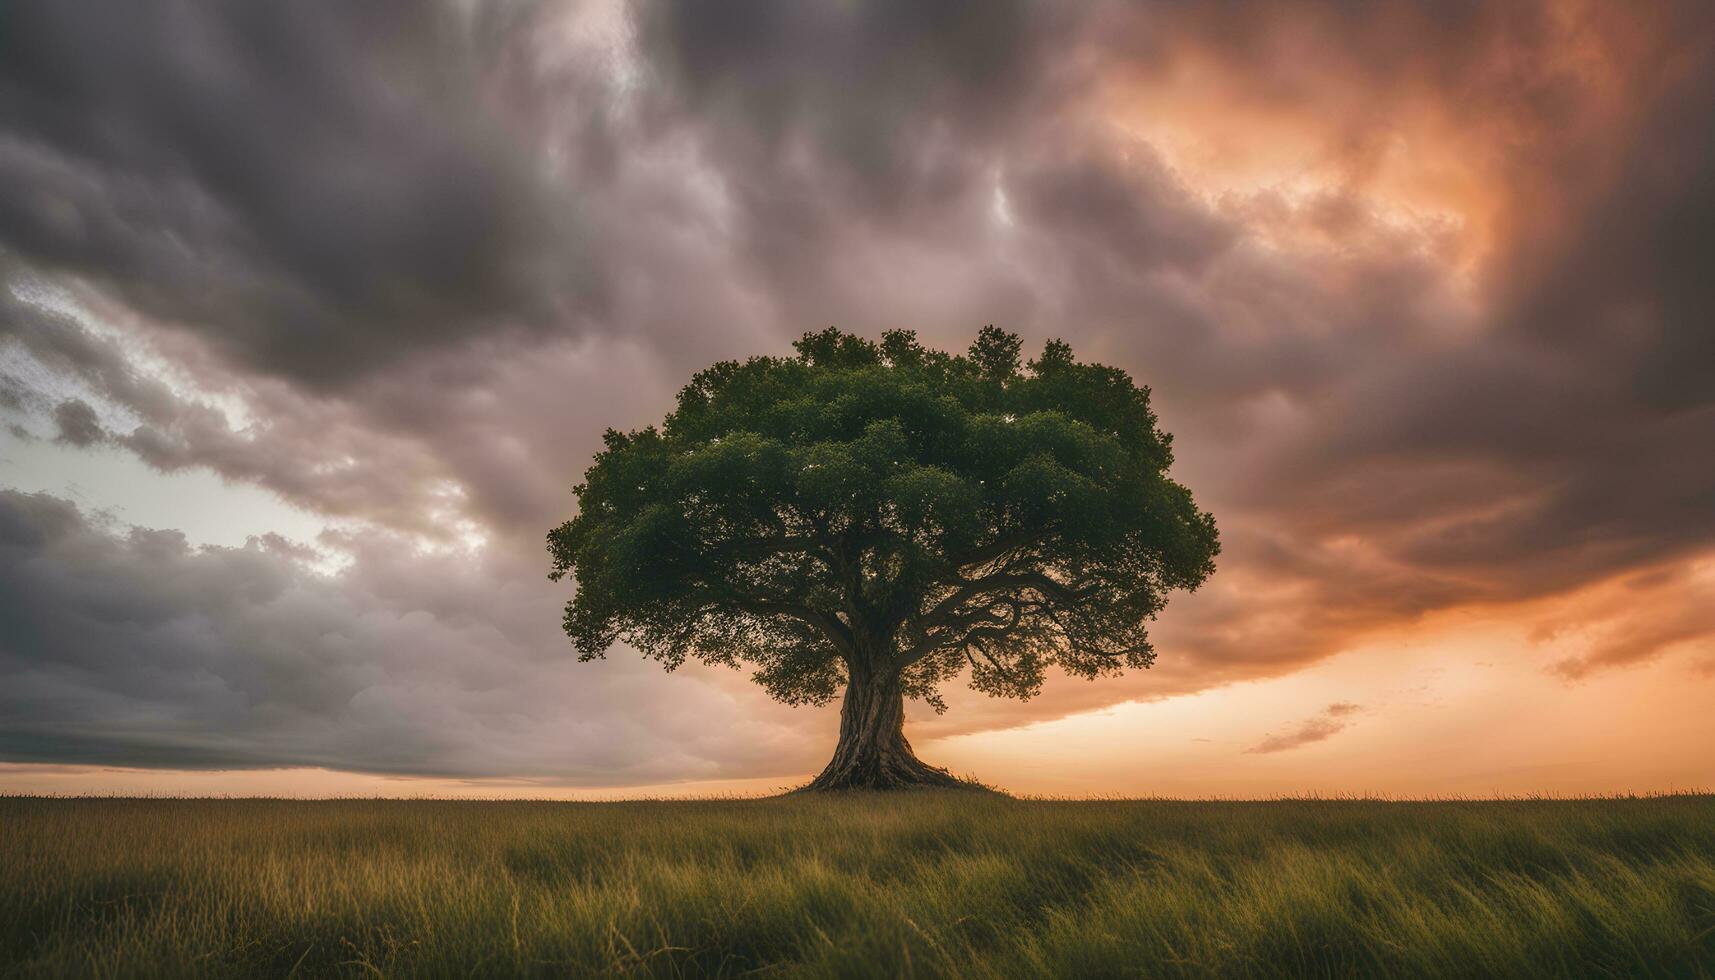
{"points": [[929, 884]]}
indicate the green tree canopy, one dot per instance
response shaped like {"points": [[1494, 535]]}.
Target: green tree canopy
{"points": [[882, 518]]}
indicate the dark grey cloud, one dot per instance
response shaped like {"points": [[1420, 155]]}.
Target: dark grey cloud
{"points": [[317, 188], [128, 646], [889, 106], [77, 423], [1117, 218]]}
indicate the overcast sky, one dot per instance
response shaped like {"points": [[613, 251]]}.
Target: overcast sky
{"points": [[312, 313]]}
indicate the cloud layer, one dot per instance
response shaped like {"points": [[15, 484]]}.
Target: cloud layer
{"points": [[1420, 288], [137, 649]]}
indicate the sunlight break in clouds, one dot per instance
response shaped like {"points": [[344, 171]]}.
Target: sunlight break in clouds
{"points": [[312, 314]]}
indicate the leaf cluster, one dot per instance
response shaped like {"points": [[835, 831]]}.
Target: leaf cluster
{"points": [[888, 508]]}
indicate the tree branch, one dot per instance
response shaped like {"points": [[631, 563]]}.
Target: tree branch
{"points": [[971, 589], [980, 621], [722, 593], [999, 548]]}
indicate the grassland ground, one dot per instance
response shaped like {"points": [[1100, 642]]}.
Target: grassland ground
{"points": [[917, 884]]}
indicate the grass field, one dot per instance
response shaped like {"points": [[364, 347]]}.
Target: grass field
{"points": [[929, 884]]}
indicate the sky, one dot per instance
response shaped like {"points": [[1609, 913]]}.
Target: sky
{"points": [[312, 314]]}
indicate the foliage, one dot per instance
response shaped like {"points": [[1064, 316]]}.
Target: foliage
{"points": [[889, 507], [916, 884]]}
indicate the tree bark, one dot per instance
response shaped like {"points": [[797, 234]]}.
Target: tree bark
{"points": [[872, 752]]}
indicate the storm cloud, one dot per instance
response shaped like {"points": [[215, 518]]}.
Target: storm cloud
{"points": [[317, 189], [129, 646], [1421, 289]]}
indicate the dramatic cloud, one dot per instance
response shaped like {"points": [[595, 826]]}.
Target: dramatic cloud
{"points": [[129, 647], [1421, 289], [318, 189]]}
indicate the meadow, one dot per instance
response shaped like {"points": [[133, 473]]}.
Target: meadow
{"points": [[936, 883]]}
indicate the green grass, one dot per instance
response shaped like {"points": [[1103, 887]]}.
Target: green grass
{"points": [[928, 884]]}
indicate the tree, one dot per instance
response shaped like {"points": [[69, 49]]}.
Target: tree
{"points": [[884, 517]]}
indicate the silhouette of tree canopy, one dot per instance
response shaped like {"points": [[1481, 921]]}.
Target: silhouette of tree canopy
{"points": [[883, 517]]}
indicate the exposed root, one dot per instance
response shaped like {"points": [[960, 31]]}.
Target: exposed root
{"points": [[885, 771]]}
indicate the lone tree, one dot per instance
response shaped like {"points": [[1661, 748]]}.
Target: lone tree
{"points": [[882, 517]]}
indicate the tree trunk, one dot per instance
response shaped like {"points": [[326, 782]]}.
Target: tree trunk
{"points": [[873, 752]]}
